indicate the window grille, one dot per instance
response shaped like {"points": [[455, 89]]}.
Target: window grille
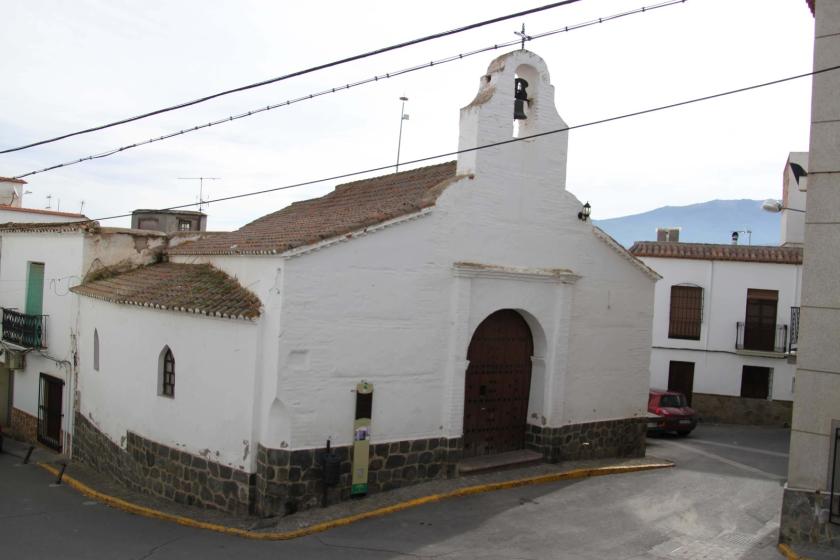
{"points": [[686, 312], [168, 382]]}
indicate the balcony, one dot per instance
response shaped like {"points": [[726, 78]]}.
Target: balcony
{"points": [[761, 338], [793, 344], [27, 331]]}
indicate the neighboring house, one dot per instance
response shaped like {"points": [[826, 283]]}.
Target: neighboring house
{"points": [[485, 311], [721, 327], [40, 263], [811, 502], [794, 191], [11, 196]]}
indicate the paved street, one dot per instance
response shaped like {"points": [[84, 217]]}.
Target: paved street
{"points": [[720, 502]]}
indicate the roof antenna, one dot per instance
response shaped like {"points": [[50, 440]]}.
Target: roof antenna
{"points": [[49, 201], [403, 117], [201, 201]]}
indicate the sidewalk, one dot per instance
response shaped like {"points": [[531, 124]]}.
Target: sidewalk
{"points": [[106, 490]]}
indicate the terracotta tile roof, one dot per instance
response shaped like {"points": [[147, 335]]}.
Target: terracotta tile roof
{"points": [[59, 227], [191, 288], [350, 207], [6, 207], [718, 252], [12, 180]]}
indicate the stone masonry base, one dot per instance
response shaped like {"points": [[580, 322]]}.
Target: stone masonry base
{"points": [[163, 471], [291, 480], [590, 440], [805, 519], [23, 426], [738, 410]]}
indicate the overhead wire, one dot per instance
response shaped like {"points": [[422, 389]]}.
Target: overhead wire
{"points": [[295, 74], [500, 143], [345, 87]]}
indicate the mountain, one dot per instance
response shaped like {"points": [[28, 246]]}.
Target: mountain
{"points": [[705, 222]]}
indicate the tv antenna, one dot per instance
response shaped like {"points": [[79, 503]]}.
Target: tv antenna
{"points": [[403, 118], [200, 187]]}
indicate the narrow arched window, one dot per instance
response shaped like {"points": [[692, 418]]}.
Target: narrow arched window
{"points": [[95, 350], [166, 373]]}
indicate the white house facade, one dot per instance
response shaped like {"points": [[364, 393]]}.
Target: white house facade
{"points": [[486, 313], [39, 265], [725, 320]]}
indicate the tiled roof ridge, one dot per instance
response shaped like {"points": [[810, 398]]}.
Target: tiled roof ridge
{"points": [[718, 251], [90, 226], [189, 288], [40, 211], [12, 180], [350, 207]]}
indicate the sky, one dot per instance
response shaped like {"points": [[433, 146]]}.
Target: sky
{"points": [[72, 65]]}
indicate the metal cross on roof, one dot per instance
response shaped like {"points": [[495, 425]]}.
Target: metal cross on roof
{"points": [[523, 36]]}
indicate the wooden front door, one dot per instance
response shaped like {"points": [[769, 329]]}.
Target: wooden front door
{"points": [[50, 411], [498, 382], [681, 378]]}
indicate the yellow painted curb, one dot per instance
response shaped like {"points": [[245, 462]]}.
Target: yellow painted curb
{"points": [[789, 553], [326, 525]]}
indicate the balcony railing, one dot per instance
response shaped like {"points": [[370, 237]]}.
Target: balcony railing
{"points": [[761, 338], [793, 344], [29, 331]]}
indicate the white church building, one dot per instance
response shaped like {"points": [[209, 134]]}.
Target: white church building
{"points": [[484, 309]]}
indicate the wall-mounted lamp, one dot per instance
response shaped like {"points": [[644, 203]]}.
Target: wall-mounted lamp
{"points": [[583, 215], [775, 206]]}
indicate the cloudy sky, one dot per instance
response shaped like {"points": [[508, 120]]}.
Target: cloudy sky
{"points": [[71, 65]]}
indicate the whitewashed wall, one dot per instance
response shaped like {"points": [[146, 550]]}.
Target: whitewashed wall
{"points": [[718, 367], [62, 255], [211, 413]]}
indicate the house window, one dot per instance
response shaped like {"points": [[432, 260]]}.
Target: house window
{"points": [[760, 320], [95, 350], [686, 312], [184, 225], [755, 382], [166, 373]]}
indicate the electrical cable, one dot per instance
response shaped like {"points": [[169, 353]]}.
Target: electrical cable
{"points": [[494, 144], [296, 74], [345, 87]]}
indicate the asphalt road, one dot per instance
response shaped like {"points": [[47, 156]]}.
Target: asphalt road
{"points": [[721, 502]]}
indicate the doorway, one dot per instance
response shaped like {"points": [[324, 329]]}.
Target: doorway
{"points": [[50, 411], [681, 378], [498, 383]]}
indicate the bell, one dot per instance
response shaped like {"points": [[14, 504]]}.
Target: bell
{"points": [[520, 97], [519, 110]]}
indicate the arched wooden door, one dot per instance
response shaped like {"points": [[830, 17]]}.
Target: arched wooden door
{"points": [[498, 382]]}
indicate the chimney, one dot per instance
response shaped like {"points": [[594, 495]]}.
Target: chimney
{"points": [[671, 235]]}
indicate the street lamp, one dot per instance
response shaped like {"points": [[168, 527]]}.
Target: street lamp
{"points": [[775, 206], [583, 215]]}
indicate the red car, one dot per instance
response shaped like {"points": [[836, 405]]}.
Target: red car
{"points": [[674, 413]]}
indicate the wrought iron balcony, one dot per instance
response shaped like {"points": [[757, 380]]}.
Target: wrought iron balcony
{"points": [[793, 344], [761, 338], [29, 331]]}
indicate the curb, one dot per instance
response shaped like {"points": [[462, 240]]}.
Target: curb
{"points": [[789, 553], [340, 522]]}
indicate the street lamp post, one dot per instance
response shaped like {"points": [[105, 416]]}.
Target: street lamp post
{"points": [[403, 117]]}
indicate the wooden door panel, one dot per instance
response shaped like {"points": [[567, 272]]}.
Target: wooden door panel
{"points": [[498, 382]]}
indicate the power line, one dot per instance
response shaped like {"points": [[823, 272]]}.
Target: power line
{"points": [[502, 142], [345, 87], [296, 74]]}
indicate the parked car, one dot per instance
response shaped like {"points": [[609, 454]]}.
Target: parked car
{"points": [[674, 414]]}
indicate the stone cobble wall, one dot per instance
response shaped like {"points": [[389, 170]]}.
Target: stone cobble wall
{"points": [[589, 440], [291, 480], [801, 521], [24, 426], [739, 410], [164, 471]]}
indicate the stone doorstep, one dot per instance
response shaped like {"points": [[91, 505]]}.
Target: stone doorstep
{"points": [[500, 461]]}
